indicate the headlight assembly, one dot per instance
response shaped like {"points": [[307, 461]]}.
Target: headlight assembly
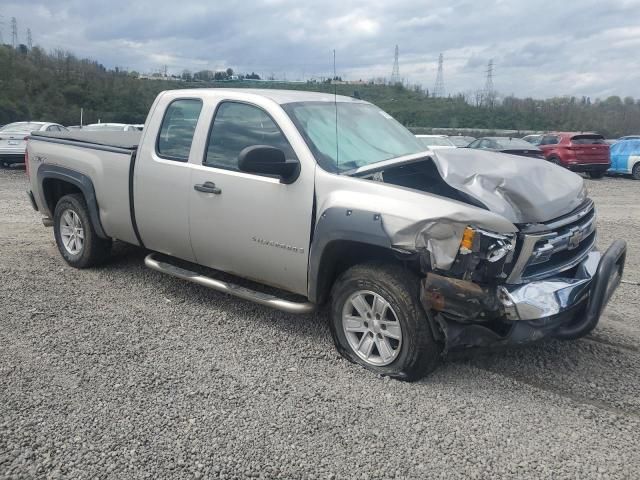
{"points": [[482, 254]]}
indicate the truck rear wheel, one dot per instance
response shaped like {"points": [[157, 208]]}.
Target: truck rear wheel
{"points": [[597, 173], [378, 322], [77, 241]]}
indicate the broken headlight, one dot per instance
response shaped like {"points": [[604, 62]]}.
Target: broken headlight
{"points": [[483, 255]]}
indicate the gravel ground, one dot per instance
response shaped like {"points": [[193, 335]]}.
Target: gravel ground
{"points": [[127, 373]]}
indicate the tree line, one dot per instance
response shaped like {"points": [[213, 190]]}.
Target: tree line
{"points": [[54, 86]]}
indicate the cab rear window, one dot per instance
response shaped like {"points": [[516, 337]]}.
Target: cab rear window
{"points": [[177, 129], [588, 140]]}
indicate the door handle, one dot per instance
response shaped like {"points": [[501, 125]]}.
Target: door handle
{"points": [[207, 187]]}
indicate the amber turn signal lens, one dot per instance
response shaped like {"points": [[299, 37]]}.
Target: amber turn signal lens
{"points": [[467, 238]]}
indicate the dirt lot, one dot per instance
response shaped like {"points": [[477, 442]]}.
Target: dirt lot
{"points": [[124, 372]]}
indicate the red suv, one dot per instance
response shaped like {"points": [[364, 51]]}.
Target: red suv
{"points": [[579, 152]]}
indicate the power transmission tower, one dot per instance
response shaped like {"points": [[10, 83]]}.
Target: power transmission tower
{"points": [[395, 72], [29, 39], [14, 32], [438, 90], [1, 24], [489, 92]]}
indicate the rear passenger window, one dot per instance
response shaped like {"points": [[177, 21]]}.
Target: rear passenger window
{"points": [[549, 140], [176, 131], [237, 126]]}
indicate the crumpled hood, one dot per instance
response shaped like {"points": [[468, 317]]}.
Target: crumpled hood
{"points": [[523, 190]]}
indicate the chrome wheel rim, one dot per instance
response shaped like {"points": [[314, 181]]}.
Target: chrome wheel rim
{"points": [[71, 232], [372, 328]]}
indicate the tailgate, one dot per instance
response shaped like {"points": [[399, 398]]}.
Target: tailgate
{"points": [[590, 148]]}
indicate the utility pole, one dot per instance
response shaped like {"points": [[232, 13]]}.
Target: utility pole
{"points": [[1, 24], [438, 90], [14, 32], [395, 71], [29, 39]]}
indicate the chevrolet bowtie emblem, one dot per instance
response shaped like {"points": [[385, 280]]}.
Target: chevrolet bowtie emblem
{"points": [[574, 239]]}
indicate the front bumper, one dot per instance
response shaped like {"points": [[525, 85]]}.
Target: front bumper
{"points": [[564, 307], [594, 281]]}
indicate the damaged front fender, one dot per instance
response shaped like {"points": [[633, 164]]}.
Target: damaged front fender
{"points": [[411, 220]]}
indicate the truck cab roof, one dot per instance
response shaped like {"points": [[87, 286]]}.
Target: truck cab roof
{"points": [[280, 97]]}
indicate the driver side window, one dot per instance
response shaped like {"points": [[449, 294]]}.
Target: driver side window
{"points": [[237, 126]]}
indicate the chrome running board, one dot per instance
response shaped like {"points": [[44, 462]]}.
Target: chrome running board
{"points": [[245, 293]]}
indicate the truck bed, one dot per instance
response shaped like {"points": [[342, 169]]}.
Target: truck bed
{"points": [[117, 140], [99, 161]]}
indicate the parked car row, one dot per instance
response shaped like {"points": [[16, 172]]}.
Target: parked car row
{"points": [[584, 152], [591, 152]]}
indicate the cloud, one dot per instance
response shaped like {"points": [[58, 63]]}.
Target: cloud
{"points": [[550, 48]]}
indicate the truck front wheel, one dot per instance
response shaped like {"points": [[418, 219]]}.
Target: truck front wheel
{"points": [[378, 322], [77, 241]]}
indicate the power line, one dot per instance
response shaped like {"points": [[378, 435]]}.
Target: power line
{"points": [[395, 72], [438, 89]]}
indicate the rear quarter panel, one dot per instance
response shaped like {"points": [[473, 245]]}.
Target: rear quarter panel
{"points": [[108, 171]]}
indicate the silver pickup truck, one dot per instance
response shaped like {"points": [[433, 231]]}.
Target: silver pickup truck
{"points": [[308, 198]]}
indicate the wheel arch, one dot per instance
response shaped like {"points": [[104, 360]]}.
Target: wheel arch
{"points": [[56, 181], [344, 238], [633, 164]]}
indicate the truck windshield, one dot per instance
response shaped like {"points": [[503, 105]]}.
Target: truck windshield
{"points": [[365, 134]]}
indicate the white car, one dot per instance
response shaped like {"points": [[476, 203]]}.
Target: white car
{"points": [[13, 139], [111, 127], [436, 142]]}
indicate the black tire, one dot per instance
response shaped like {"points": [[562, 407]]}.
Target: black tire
{"points": [[555, 161], [635, 173], [95, 250], [418, 354], [597, 174]]}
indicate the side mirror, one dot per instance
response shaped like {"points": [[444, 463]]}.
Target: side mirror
{"points": [[269, 161]]}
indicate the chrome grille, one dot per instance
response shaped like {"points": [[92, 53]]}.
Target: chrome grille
{"points": [[557, 246]]}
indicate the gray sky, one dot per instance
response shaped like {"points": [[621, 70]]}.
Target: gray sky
{"points": [[540, 49]]}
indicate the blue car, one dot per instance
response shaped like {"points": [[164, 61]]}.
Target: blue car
{"points": [[625, 158]]}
